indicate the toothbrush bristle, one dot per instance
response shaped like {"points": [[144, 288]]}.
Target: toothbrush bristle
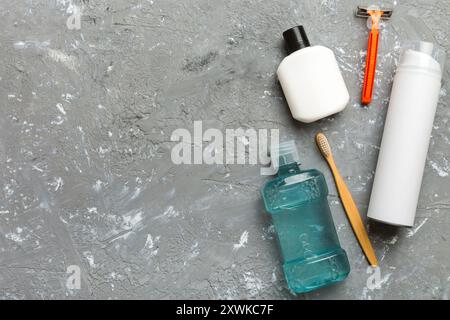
{"points": [[323, 144]]}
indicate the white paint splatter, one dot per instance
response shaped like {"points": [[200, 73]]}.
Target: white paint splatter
{"points": [[102, 150], [132, 219], [59, 120], [37, 168], [8, 190], [365, 294], [20, 45], [67, 97], [61, 57], [195, 251], [98, 185], [136, 193], [385, 279], [57, 183], [90, 258], [150, 245], [393, 240], [92, 210], [16, 236], [252, 283], [378, 285], [413, 231], [242, 241], [84, 143], [170, 212], [149, 242], [61, 108], [274, 277], [440, 171]]}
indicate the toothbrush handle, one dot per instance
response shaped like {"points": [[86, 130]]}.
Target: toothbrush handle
{"points": [[371, 63], [353, 214]]}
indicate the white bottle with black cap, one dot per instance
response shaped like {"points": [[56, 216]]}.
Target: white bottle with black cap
{"points": [[311, 80]]}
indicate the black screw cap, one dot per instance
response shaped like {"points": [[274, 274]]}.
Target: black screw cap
{"points": [[296, 39]]}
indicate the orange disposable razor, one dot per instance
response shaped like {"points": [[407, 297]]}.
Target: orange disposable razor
{"points": [[375, 14]]}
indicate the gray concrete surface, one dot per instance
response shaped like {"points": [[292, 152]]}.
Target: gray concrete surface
{"points": [[86, 177]]}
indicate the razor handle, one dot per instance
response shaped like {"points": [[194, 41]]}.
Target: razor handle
{"points": [[371, 63]]}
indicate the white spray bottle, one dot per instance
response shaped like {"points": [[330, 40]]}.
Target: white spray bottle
{"points": [[406, 135]]}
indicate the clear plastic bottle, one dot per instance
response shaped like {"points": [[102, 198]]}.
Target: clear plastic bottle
{"points": [[297, 202]]}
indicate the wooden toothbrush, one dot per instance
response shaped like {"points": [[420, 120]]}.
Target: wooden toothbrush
{"points": [[347, 201]]}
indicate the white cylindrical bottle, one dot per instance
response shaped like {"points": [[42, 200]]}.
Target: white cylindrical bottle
{"points": [[311, 80], [406, 136]]}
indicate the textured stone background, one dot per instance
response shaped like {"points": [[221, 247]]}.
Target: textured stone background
{"points": [[86, 177]]}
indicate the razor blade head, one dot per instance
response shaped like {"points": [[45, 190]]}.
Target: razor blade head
{"points": [[363, 11]]}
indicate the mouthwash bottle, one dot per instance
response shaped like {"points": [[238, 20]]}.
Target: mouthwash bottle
{"points": [[297, 201]]}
